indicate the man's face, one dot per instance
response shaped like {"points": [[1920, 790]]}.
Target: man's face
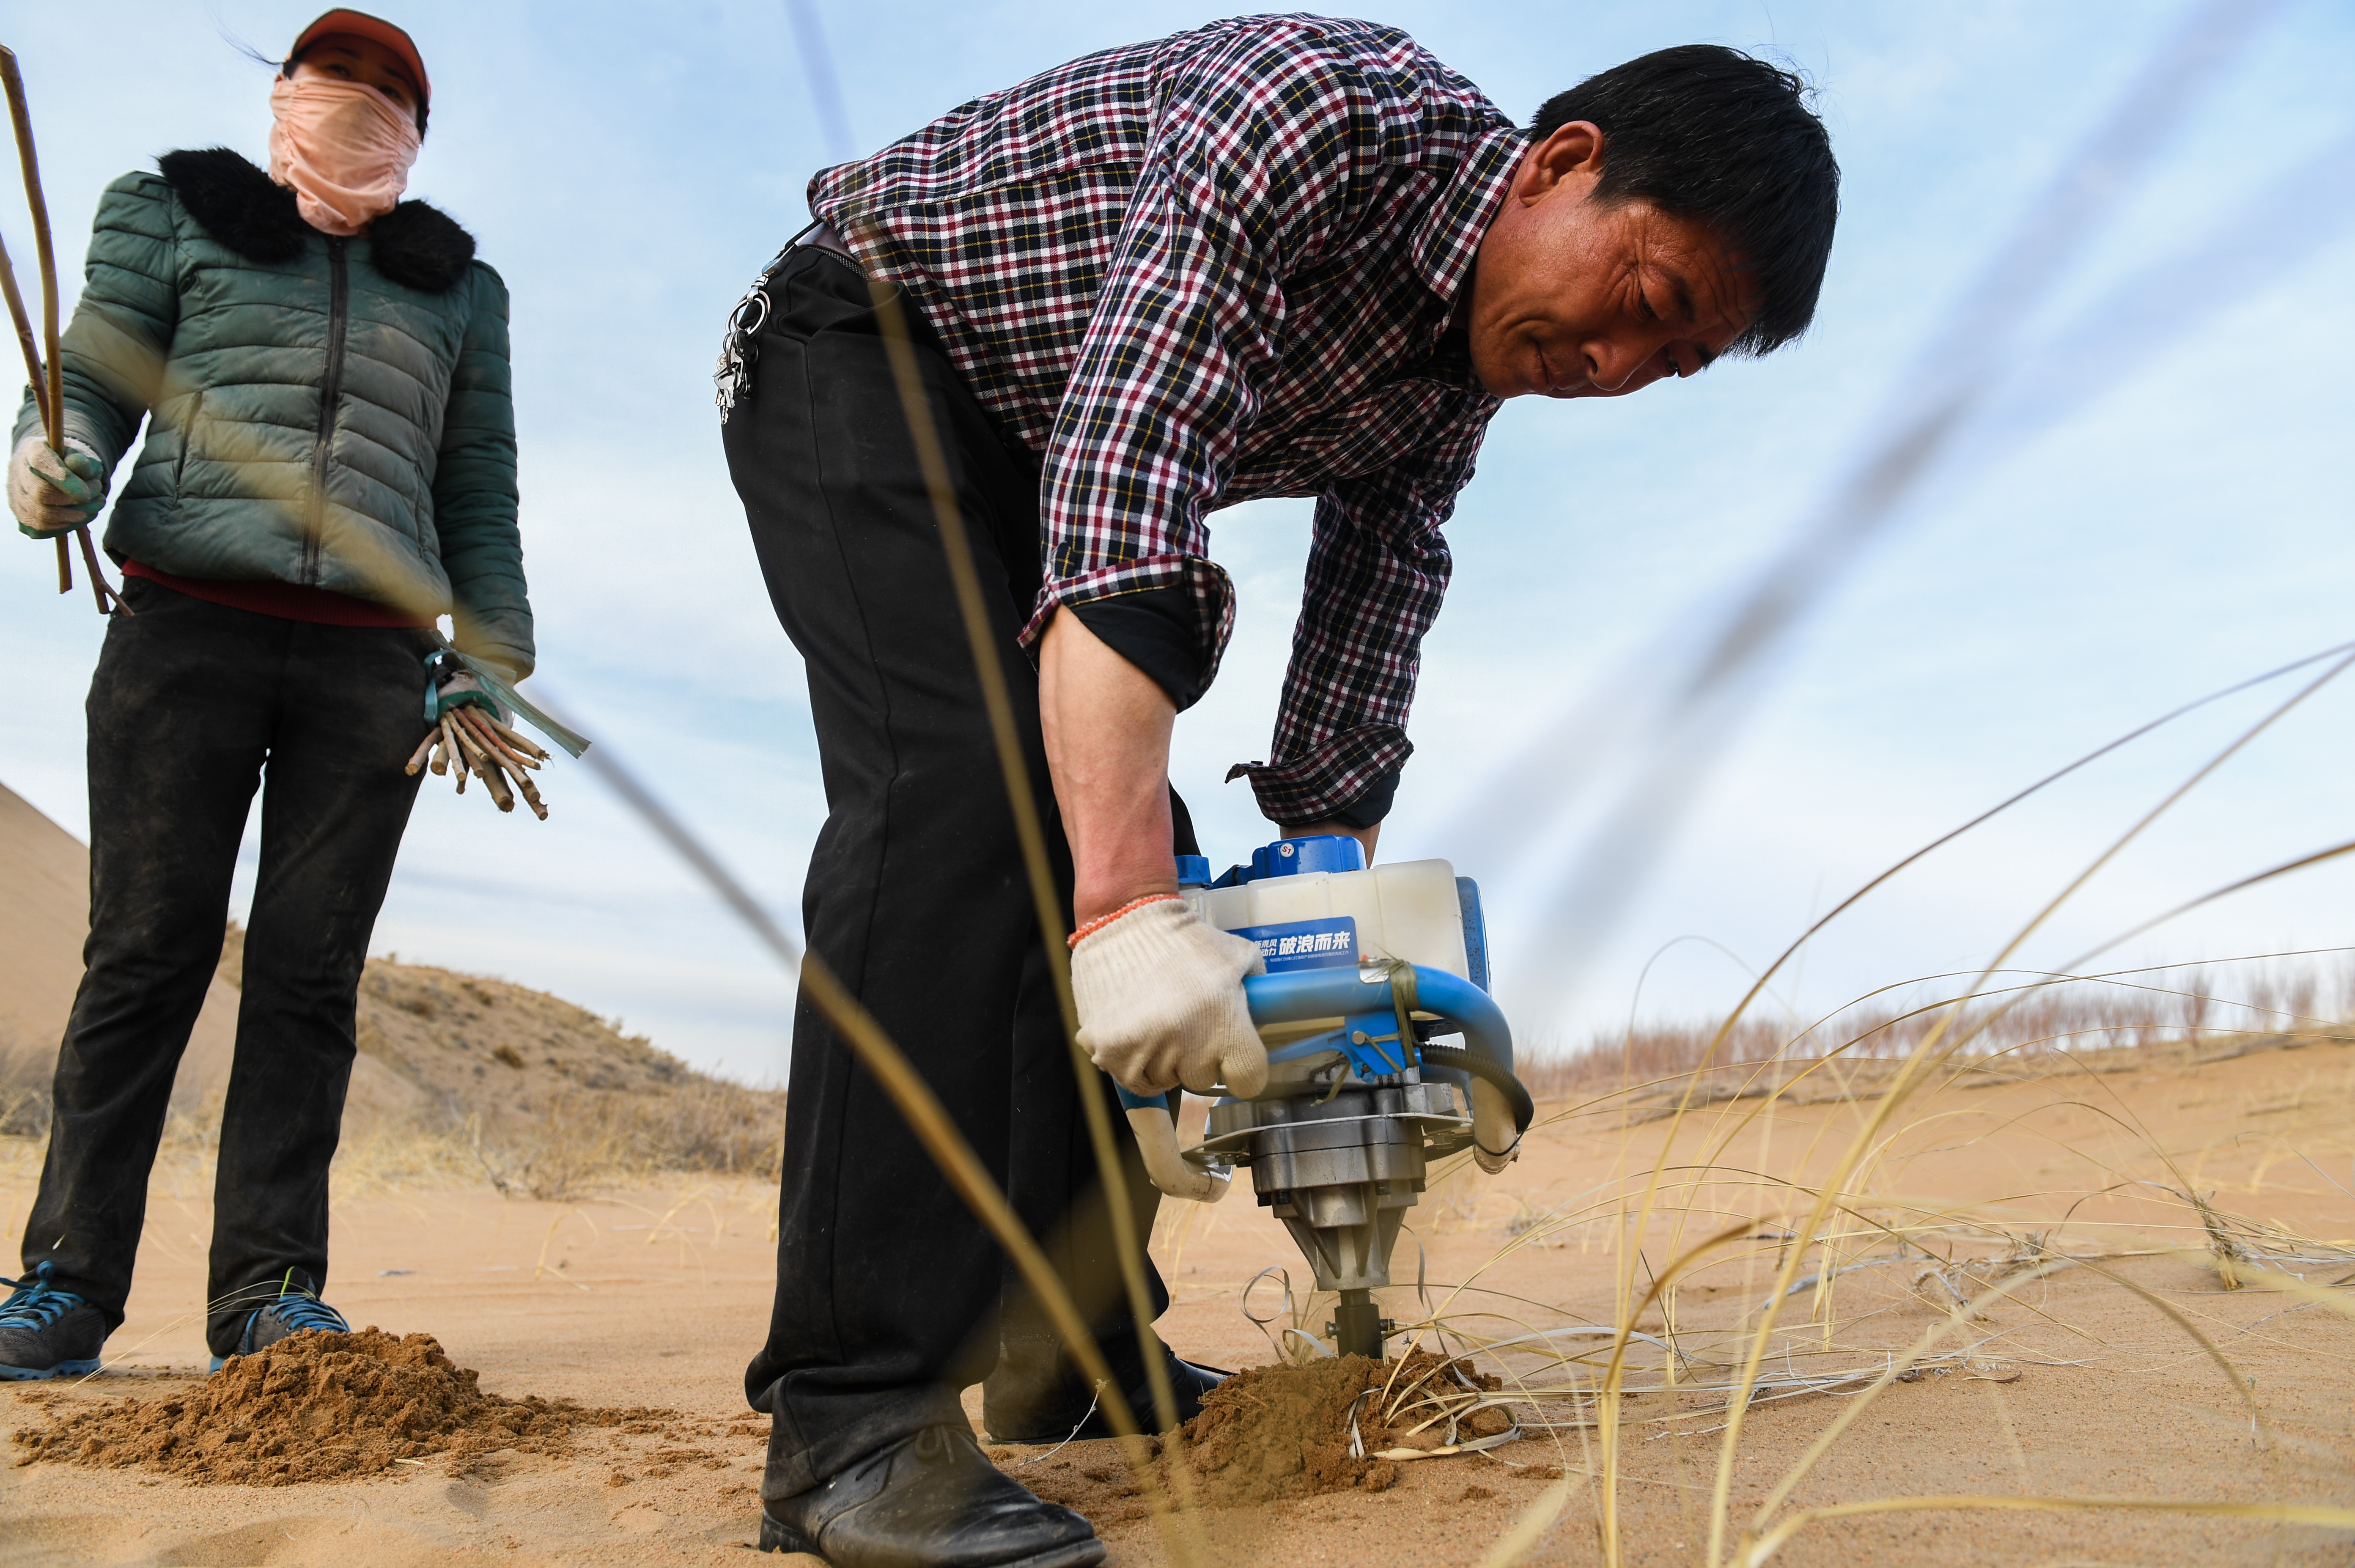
{"points": [[1576, 297]]}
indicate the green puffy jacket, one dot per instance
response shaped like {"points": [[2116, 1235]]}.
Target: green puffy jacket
{"points": [[335, 413]]}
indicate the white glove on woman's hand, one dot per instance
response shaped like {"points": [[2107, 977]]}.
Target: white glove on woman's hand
{"points": [[1161, 1003], [49, 493]]}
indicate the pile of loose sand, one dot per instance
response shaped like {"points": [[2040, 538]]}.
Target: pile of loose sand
{"points": [[319, 1407], [1276, 1433]]}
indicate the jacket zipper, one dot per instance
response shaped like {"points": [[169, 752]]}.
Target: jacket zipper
{"points": [[331, 392]]}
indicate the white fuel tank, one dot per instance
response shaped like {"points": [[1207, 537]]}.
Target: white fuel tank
{"points": [[1410, 911], [1312, 903]]}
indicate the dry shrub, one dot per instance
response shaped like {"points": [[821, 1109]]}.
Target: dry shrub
{"points": [[543, 1098], [583, 1139], [1751, 1267], [2029, 1021], [469, 1076]]}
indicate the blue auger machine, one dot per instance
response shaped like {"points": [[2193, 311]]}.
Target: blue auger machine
{"points": [[1385, 1051]]}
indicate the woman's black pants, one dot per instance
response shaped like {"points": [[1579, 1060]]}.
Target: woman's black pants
{"points": [[192, 705], [888, 1290]]}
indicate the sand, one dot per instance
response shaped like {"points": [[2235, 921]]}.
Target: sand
{"points": [[315, 1406], [435, 1047], [2080, 1387], [1286, 1432], [44, 918]]}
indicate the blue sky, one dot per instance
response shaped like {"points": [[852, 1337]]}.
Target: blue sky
{"points": [[2150, 501]]}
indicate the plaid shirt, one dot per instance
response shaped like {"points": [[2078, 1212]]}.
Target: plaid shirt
{"points": [[1205, 270]]}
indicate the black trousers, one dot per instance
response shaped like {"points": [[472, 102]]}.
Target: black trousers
{"points": [[888, 1291], [192, 704]]}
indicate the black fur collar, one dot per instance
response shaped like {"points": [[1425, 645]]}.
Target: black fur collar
{"points": [[416, 246]]}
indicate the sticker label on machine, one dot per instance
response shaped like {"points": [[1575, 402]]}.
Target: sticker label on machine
{"points": [[1305, 944]]}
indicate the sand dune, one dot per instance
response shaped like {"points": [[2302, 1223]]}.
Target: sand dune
{"points": [[2084, 1386], [44, 917], [2150, 1352], [434, 1044]]}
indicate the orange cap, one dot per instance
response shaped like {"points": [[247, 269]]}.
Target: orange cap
{"points": [[359, 24]]}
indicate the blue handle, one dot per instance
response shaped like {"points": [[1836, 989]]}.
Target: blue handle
{"points": [[1308, 994]]}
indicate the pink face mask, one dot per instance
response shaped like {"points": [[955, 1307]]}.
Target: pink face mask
{"points": [[344, 147]]}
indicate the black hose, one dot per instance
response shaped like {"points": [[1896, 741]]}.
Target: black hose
{"points": [[1493, 1072]]}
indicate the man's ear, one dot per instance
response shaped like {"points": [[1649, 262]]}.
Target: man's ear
{"points": [[1572, 155]]}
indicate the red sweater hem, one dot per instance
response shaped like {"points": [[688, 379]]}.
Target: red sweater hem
{"points": [[286, 601]]}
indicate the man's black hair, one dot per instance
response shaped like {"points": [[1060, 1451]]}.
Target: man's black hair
{"points": [[1709, 133]]}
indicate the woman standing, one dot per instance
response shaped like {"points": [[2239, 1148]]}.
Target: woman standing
{"points": [[329, 466]]}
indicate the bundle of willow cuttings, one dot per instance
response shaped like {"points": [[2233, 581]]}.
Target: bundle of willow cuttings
{"points": [[479, 745]]}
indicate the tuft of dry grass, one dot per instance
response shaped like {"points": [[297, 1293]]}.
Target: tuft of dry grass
{"points": [[466, 1079], [583, 1140], [2016, 1023]]}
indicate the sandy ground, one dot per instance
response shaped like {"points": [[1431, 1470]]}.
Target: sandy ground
{"points": [[2091, 1383]]}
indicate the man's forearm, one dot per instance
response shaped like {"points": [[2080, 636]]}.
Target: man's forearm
{"points": [[1106, 725]]}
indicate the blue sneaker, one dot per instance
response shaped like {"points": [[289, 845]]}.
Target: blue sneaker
{"points": [[46, 1332], [291, 1313]]}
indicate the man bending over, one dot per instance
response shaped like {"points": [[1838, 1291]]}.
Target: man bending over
{"points": [[1274, 256]]}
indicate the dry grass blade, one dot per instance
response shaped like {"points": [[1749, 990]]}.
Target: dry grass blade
{"points": [[924, 1114], [826, 89], [1029, 829], [1690, 699], [1616, 1369], [1934, 1051], [2326, 1515]]}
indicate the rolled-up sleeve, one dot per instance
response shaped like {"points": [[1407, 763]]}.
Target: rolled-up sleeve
{"points": [[1252, 164], [1378, 567]]}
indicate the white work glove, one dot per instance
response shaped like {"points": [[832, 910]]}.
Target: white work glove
{"points": [[1161, 1003], [448, 693], [1165, 1166], [49, 493]]}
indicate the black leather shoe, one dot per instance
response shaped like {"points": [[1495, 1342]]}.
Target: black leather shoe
{"points": [[928, 1501], [1190, 1383], [1013, 1418]]}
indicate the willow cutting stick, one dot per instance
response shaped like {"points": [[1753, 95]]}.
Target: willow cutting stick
{"points": [[486, 767], [49, 386], [473, 719], [32, 348], [514, 738], [503, 756], [466, 739]]}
